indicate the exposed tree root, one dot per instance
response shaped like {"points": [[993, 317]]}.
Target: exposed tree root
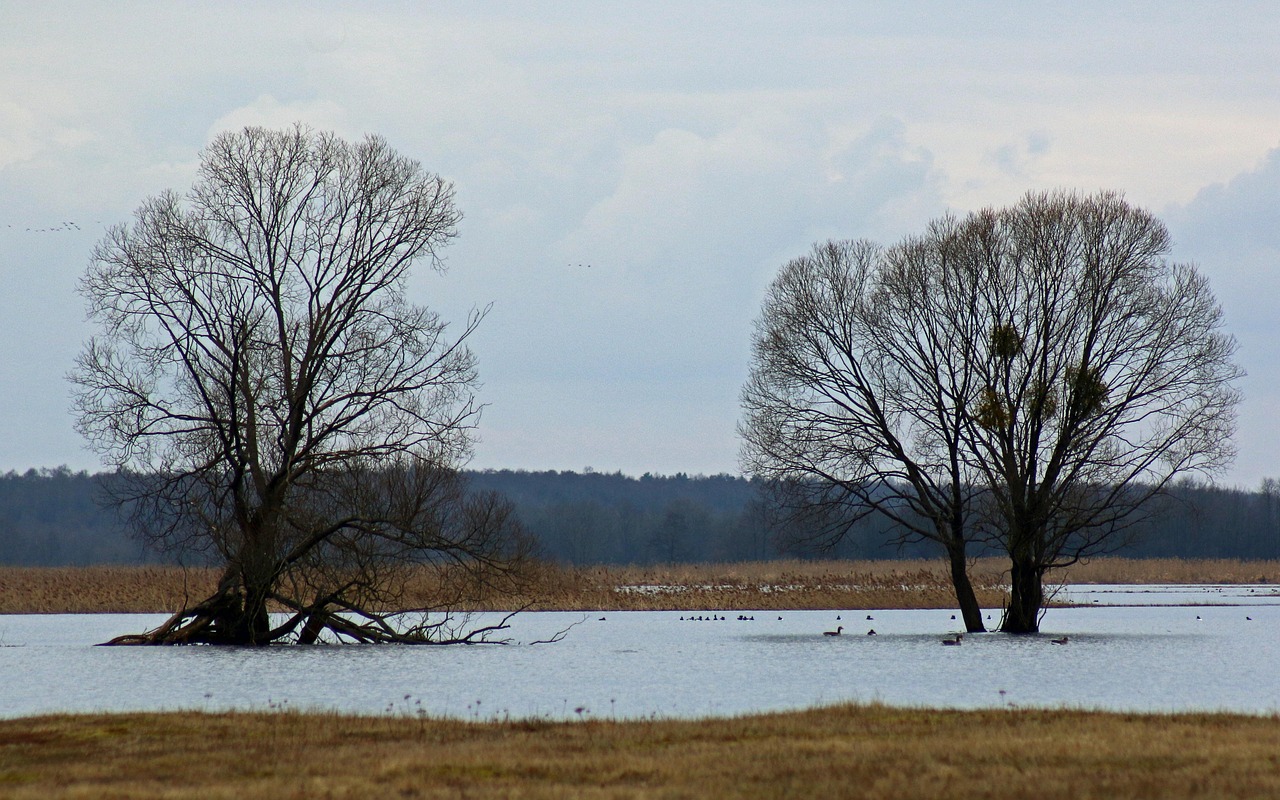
{"points": [[219, 620]]}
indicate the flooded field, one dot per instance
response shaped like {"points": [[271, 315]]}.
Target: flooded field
{"points": [[1128, 647]]}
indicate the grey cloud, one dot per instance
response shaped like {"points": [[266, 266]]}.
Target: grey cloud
{"points": [[1013, 158], [1232, 230], [639, 307], [1243, 212], [684, 156], [1038, 143]]}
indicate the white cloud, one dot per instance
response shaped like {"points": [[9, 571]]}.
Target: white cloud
{"points": [[268, 112], [684, 155], [20, 140], [752, 193]]}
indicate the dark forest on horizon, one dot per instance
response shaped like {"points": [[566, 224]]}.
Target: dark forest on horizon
{"points": [[54, 517]]}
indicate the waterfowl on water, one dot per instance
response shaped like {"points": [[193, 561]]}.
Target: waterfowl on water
{"points": [[1063, 640], [870, 617], [836, 632], [872, 632], [956, 640]]}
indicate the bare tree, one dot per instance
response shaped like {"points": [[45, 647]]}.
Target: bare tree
{"points": [[855, 400], [1030, 377], [1105, 375], [277, 404]]}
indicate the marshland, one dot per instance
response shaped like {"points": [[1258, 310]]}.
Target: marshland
{"points": [[1040, 381], [686, 642], [643, 699], [780, 584], [1130, 707]]}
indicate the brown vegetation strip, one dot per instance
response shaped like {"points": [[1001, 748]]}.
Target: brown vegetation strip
{"points": [[847, 751], [72, 590], [760, 585]]}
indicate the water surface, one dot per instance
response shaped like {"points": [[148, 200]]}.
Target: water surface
{"points": [[1123, 652]]}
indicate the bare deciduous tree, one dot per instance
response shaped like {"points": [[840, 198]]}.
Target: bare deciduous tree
{"points": [[1031, 377], [1105, 375], [851, 405], [277, 403]]}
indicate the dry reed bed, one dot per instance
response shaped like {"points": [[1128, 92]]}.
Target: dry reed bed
{"points": [[1169, 570], [846, 751], [749, 586], [761, 585], [70, 590]]}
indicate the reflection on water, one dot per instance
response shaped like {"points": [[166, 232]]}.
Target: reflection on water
{"points": [[636, 664]]}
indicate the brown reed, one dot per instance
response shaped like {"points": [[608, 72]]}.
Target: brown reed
{"points": [[762, 585], [102, 589], [1168, 570], [753, 586]]}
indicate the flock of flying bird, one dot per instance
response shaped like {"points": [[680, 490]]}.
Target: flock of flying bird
{"points": [[65, 226]]}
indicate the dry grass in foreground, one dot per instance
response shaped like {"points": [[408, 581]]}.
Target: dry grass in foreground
{"points": [[762, 585], [848, 751]]}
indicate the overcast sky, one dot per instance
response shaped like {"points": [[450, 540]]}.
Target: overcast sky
{"points": [[633, 175]]}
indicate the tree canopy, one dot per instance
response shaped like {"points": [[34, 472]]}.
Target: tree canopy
{"points": [[280, 403], [1029, 376]]}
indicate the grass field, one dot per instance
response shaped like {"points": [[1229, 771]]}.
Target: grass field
{"points": [[846, 751], [744, 586]]}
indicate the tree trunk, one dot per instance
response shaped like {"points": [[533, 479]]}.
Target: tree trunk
{"points": [[254, 625], [1026, 598], [253, 575], [969, 608]]}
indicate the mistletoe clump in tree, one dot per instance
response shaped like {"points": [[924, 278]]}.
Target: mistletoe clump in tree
{"points": [[1029, 378]]}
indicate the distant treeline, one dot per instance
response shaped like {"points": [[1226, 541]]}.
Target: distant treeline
{"points": [[53, 517]]}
